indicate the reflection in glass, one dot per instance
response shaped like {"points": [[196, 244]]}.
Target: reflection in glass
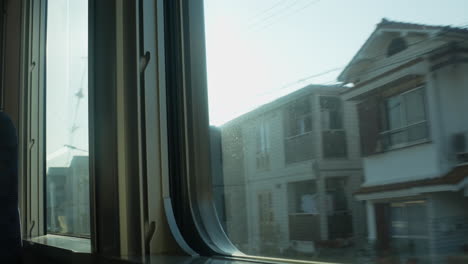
{"points": [[67, 150]]}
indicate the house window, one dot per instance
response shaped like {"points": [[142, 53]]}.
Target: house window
{"points": [[333, 134], [267, 226], [409, 229], [303, 197], [336, 193], [303, 207], [405, 118], [299, 117], [265, 207], [338, 213], [263, 145], [262, 138], [331, 112], [299, 142], [396, 45]]}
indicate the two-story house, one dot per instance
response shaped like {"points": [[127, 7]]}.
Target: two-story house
{"points": [[290, 168], [410, 86]]}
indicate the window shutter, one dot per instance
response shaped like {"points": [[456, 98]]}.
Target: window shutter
{"points": [[369, 124]]}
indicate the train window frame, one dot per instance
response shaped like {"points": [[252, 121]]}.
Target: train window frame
{"points": [[190, 175], [32, 144], [169, 42], [32, 154]]}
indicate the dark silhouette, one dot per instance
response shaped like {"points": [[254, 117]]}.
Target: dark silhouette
{"points": [[10, 239]]}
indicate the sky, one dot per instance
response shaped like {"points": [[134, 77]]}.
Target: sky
{"points": [[259, 50], [66, 78]]}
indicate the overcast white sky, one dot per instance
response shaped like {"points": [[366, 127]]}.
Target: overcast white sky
{"points": [[66, 78], [257, 48]]}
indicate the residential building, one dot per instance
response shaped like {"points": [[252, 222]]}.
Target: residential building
{"points": [[290, 168], [410, 87], [69, 184]]}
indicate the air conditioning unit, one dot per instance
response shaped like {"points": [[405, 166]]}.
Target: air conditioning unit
{"points": [[459, 145]]}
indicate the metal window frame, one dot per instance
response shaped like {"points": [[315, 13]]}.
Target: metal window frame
{"points": [[32, 113], [122, 212], [103, 207], [103, 123], [405, 127], [188, 123], [3, 23], [188, 130]]}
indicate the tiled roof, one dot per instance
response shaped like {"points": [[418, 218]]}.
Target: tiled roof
{"points": [[453, 177], [285, 99], [403, 26], [385, 23]]}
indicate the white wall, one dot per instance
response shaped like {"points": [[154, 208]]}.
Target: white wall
{"points": [[412, 163], [451, 85], [279, 175], [446, 97]]}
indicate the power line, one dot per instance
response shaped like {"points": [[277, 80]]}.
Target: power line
{"points": [[408, 58], [288, 85], [370, 58], [274, 14], [365, 72], [312, 76], [267, 10], [290, 14]]}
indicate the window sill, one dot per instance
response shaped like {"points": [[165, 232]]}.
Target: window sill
{"points": [[59, 249], [298, 135], [62, 249], [223, 260], [42, 253], [311, 214], [407, 145], [336, 158], [73, 244]]}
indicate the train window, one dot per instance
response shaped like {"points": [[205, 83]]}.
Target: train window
{"points": [[67, 144], [332, 190], [273, 130]]}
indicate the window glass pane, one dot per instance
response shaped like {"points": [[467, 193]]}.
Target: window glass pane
{"points": [[410, 237], [331, 113], [262, 137], [352, 92], [417, 219], [407, 114], [334, 144], [414, 106], [299, 116], [303, 207], [399, 224], [397, 137], [67, 149], [394, 112], [417, 132]]}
